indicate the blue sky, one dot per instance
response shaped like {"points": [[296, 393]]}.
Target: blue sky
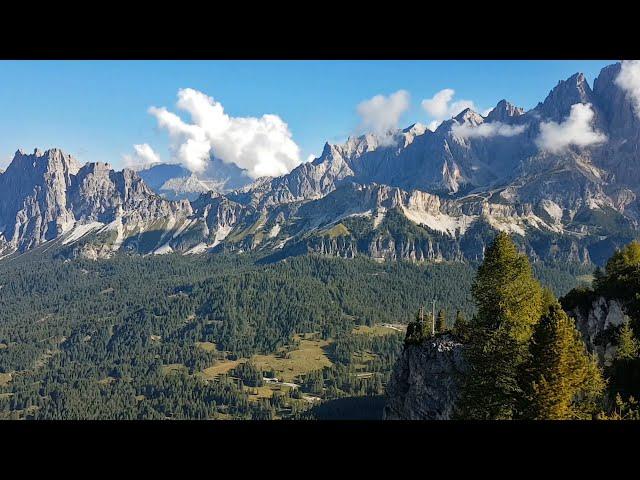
{"points": [[97, 110]]}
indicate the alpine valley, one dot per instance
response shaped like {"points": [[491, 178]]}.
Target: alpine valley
{"points": [[415, 194]]}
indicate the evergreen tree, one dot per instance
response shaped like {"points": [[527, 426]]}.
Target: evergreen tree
{"points": [[548, 299], [420, 329], [461, 326], [623, 410], [564, 381], [509, 302], [625, 370], [628, 345], [505, 290], [621, 278], [441, 321]]}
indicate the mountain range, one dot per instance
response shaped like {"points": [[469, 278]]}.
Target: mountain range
{"points": [[412, 194]]}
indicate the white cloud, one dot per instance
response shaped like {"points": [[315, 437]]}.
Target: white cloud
{"points": [[575, 130], [381, 115], [629, 80], [441, 107], [143, 156], [487, 130], [311, 157], [263, 146], [438, 105]]}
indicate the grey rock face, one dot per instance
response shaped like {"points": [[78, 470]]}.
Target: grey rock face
{"points": [[504, 112], [34, 205], [47, 195], [603, 316], [568, 92], [425, 383], [617, 109]]}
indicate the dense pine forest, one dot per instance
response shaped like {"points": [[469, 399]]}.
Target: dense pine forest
{"points": [[213, 336]]}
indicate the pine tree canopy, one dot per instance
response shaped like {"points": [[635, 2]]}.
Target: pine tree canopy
{"points": [[565, 381], [509, 301], [505, 289], [461, 326], [621, 278], [628, 345]]}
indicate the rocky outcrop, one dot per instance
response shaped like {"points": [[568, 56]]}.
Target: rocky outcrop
{"points": [[598, 325], [425, 383]]}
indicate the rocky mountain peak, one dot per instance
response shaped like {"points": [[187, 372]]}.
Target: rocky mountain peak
{"points": [[190, 186], [39, 162], [469, 116], [33, 190], [416, 128], [566, 93], [504, 112], [616, 106], [357, 145], [606, 78]]}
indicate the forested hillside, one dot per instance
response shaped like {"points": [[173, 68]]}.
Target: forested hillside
{"points": [[195, 336]]}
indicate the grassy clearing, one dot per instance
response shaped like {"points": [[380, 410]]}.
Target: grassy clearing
{"points": [[338, 230], [255, 393], [377, 330], [223, 366], [206, 346], [5, 378], [309, 356]]}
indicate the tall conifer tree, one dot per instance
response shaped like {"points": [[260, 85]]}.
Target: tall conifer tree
{"points": [[564, 381], [628, 345], [509, 301]]}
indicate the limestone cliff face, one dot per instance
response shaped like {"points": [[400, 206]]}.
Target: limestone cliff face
{"points": [[425, 383], [597, 324], [33, 194], [47, 196]]}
